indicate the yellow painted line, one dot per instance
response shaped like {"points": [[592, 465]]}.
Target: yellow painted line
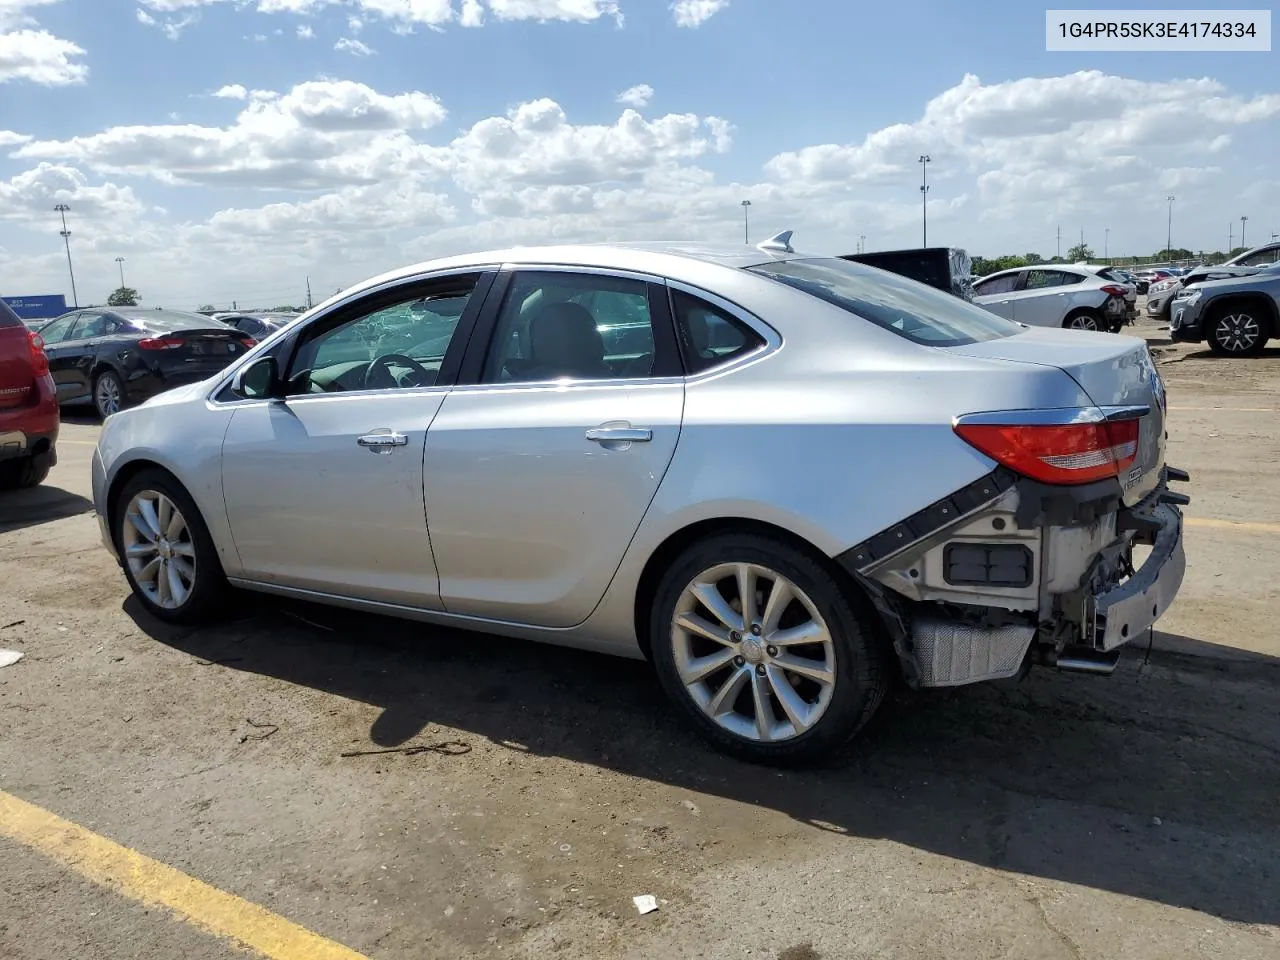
{"points": [[152, 883], [1229, 409], [1252, 526]]}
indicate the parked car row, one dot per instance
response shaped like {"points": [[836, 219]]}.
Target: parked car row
{"points": [[1235, 315]]}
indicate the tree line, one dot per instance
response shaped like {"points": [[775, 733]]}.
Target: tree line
{"points": [[1083, 252]]}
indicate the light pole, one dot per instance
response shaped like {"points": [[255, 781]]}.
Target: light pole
{"points": [[746, 222], [1168, 243], [62, 209], [862, 243], [120, 263], [1243, 221], [925, 160], [1106, 245]]}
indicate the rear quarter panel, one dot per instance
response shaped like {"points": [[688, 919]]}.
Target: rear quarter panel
{"points": [[843, 431]]}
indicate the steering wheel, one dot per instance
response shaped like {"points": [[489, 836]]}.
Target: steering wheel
{"points": [[378, 375]]}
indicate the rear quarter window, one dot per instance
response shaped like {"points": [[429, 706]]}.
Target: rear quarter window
{"points": [[911, 310]]}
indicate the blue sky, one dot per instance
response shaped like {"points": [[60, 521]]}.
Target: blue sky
{"points": [[383, 131]]}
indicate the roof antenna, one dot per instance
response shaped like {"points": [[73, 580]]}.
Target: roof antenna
{"points": [[781, 242]]}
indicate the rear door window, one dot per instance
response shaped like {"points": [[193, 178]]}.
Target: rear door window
{"points": [[7, 317], [904, 307], [992, 285]]}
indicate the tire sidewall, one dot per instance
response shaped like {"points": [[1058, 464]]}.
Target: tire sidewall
{"points": [[210, 584], [860, 666]]}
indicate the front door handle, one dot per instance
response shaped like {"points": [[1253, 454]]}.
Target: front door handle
{"points": [[619, 435], [382, 442]]}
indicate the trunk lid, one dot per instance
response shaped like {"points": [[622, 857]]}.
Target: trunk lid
{"points": [[1113, 370], [196, 351]]}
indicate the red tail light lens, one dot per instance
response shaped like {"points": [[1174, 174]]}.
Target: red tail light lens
{"points": [[1072, 454], [160, 343], [38, 358], [1115, 291], [249, 341]]}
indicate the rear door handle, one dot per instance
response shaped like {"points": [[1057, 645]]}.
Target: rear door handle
{"points": [[382, 442], [619, 435]]}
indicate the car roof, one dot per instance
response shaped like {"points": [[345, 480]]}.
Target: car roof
{"points": [[675, 259]]}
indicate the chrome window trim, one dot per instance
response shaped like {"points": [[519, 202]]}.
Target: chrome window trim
{"points": [[1052, 417], [772, 339], [306, 320]]}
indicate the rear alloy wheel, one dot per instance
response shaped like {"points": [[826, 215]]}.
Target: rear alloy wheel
{"points": [[1085, 320], [108, 394], [1236, 331], [165, 548], [764, 650]]}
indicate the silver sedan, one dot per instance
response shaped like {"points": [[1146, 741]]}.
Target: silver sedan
{"points": [[786, 480]]}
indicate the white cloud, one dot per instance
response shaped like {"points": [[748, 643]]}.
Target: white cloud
{"points": [[146, 19], [305, 32], [694, 13], [13, 13], [431, 13], [29, 196], [42, 58], [637, 96], [320, 134], [8, 138], [355, 24], [172, 27], [232, 91], [351, 45]]}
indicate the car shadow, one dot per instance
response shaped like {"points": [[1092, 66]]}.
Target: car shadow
{"points": [[1159, 782], [1268, 353], [81, 415], [36, 505]]}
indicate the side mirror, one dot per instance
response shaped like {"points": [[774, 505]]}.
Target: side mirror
{"points": [[260, 380]]}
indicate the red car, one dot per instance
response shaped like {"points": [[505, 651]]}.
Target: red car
{"points": [[28, 406]]}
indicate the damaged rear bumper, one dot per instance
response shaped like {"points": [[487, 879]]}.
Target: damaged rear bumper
{"points": [[1028, 574]]}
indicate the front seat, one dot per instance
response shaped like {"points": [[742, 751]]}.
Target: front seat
{"points": [[564, 342]]}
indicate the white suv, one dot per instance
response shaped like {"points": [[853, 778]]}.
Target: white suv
{"points": [[1055, 295]]}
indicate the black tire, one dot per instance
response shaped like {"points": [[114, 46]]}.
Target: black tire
{"points": [[1228, 330], [112, 378], [209, 590], [862, 667], [23, 472], [1081, 320]]}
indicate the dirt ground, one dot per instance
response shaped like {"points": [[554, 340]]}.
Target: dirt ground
{"points": [[1062, 816]]}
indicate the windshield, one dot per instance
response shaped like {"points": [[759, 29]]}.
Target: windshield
{"points": [[170, 321], [912, 310]]}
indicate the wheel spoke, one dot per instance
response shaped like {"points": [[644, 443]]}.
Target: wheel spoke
{"points": [[780, 595], [176, 526], [723, 701], [147, 510], [162, 584], [793, 705], [149, 571], [144, 548], [699, 668], [809, 632], [177, 590], [709, 596], [746, 577], [185, 570], [764, 712], [184, 548], [139, 523], [164, 513], [813, 669]]}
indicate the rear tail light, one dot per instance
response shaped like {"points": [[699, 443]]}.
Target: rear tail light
{"points": [[1115, 291], [160, 343], [1060, 454], [39, 360], [248, 341]]}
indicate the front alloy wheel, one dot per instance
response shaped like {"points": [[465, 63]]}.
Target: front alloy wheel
{"points": [[165, 548], [158, 549], [1083, 321], [772, 658]]}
